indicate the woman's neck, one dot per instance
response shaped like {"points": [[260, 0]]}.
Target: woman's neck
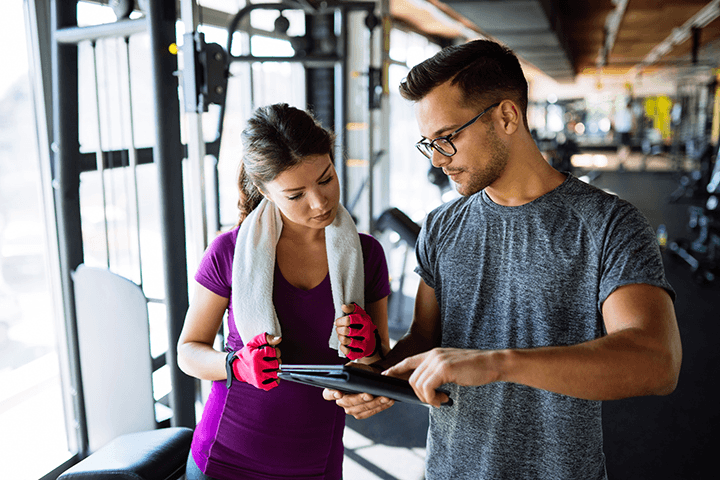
{"points": [[301, 235]]}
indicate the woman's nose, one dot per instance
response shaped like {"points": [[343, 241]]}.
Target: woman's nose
{"points": [[318, 200]]}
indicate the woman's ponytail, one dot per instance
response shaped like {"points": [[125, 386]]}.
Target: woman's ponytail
{"points": [[249, 196]]}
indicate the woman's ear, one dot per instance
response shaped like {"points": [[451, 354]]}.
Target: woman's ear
{"points": [[262, 192]]}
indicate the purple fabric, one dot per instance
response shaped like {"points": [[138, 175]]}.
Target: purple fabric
{"points": [[289, 431]]}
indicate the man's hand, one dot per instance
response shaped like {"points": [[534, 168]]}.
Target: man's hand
{"points": [[359, 405], [432, 369]]}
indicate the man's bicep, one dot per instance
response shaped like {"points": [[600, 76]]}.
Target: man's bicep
{"points": [[645, 308], [426, 316], [642, 317], [424, 333]]}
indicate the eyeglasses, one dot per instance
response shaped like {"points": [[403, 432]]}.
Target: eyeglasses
{"points": [[443, 144]]}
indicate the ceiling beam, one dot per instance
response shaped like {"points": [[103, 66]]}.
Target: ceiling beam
{"points": [[612, 25], [680, 34]]}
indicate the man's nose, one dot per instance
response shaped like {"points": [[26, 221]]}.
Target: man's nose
{"points": [[438, 159]]}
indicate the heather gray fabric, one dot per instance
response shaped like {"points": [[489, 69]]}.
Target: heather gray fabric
{"points": [[523, 277]]}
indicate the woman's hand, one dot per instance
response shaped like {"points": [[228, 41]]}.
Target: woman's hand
{"points": [[257, 362], [357, 334], [359, 405]]}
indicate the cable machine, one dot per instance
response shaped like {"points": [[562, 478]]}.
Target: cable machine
{"points": [[69, 162], [324, 51]]}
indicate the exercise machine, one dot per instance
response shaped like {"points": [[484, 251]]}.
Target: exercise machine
{"points": [[702, 254]]}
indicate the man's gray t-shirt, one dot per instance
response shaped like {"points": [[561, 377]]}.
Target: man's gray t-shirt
{"points": [[522, 277]]}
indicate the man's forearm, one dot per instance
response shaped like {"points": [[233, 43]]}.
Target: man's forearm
{"points": [[640, 355], [616, 366]]}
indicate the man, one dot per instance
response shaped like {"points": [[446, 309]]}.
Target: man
{"points": [[540, 295]]}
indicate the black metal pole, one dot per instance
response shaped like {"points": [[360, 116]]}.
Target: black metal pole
{"points": [[66, 180], [342, 104], [695, 49], [168, 154]]}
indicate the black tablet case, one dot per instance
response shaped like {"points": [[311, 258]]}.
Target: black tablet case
{"points": [[350, 379]]}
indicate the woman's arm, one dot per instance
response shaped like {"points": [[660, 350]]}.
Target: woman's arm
{"points": [[196, 355]]}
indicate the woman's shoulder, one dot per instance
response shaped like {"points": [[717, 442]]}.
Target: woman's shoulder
{"points": [[219, 254], [372, 249], [368, 242], [224, 241], [215, 269]]}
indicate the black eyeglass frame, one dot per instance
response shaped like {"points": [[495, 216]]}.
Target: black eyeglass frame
{"points": [[426, 147]]}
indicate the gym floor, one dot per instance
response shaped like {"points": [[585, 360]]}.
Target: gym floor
{"points": [[649, 437]]}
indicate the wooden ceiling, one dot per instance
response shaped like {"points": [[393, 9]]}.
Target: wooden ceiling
{"points": [[647, 23], [644, 26]]}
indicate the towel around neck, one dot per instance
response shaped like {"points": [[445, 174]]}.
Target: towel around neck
{"points": [[254, 267]]}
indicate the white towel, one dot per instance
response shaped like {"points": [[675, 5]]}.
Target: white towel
{"points": [[254, 268]]}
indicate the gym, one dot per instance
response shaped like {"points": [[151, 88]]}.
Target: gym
{"points": [[120, 135]]}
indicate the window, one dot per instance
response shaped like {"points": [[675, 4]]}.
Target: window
{"points": [[31, 396]]}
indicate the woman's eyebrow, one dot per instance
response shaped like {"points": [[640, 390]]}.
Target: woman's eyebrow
{"points": [[324, 172], [303, 188]]}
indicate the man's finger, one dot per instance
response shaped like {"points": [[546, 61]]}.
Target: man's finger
{"points": [[407, 365], [369, 412]]}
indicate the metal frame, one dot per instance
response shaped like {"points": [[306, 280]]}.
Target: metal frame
{"points": [[168, 153], [66, 179], [338, 62]]}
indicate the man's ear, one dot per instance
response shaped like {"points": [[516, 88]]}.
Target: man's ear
{"points": [[510, 116]]}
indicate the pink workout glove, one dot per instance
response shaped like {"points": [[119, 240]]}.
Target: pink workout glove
{"points": [[256, 363], [363, 334]]}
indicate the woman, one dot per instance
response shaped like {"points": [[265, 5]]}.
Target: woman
{"points": [[253, 425]]}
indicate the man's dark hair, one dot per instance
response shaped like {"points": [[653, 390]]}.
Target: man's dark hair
{"points": [[485, 71]]}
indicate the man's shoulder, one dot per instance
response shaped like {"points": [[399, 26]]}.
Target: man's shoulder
{"points": [[590, 201], [448, 210]]}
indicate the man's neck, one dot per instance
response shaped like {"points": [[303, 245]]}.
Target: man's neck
{"points": [[525, 178]]}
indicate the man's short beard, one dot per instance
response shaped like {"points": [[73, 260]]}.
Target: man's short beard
{"points": [[481, 179]]}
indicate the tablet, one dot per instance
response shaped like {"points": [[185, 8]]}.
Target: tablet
{"points": [[350, 379]]}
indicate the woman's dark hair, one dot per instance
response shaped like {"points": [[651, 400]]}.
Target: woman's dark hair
{"points": [[277, 138], [485, 71]]}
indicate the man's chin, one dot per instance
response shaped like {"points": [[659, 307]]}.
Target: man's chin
{"points": [[465, 190]]}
